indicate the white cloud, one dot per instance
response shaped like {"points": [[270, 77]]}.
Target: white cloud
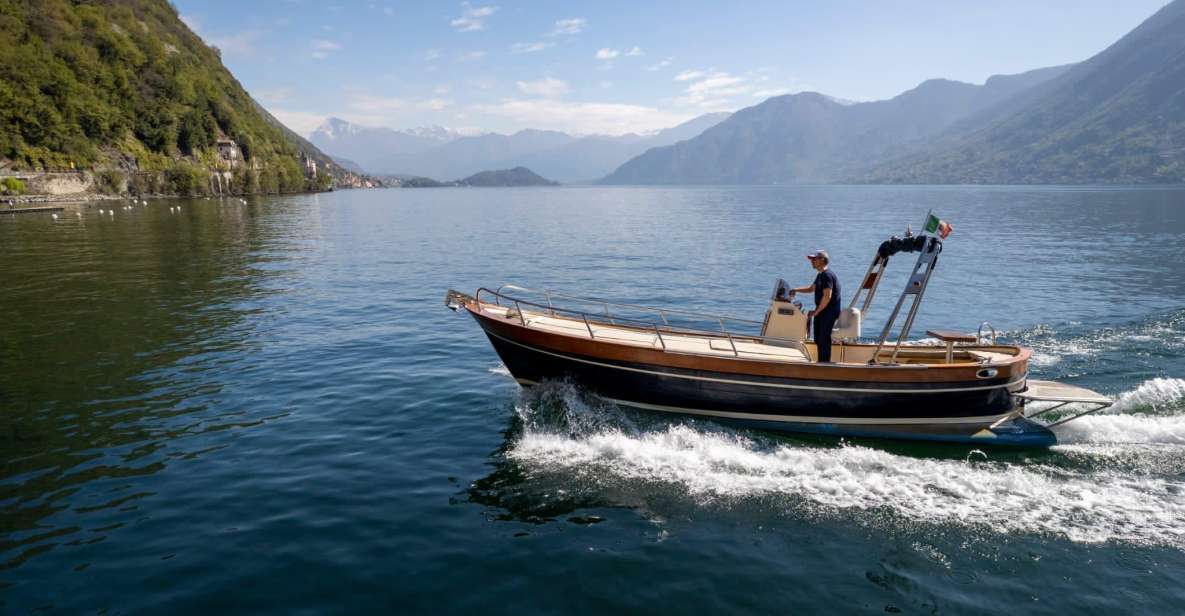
{"points": [[548, 87], [322, 48], [388, 11], [530, 47], [238, 44], [274, 95], [301, 122], [634, 51], [605, 53], [431, 55], [583, 117], [569, 26], [369, 103], [661, 64], [193, 21], [771, 92], [471, 56], [712, 91], [483, 83], [441, 89], [367, 109], [472, 17]]}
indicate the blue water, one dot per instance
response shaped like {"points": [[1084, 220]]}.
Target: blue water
{"points": [[265, 407]]}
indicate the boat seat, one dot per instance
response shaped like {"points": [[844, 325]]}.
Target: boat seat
{"points": [[756, 350], [991, 357]]}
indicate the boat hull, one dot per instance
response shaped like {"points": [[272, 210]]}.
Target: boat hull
{"points": [[817, 399]]}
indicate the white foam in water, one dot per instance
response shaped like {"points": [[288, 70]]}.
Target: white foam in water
{"points": [[1087, 506], [500, 369], [1043, 359], [1142, 415], [1123, 429], [1159, 395]]}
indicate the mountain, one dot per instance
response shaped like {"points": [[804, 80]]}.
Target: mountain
{"points": [[811, 137], [465, 156], [1118, 117], [519, 176], [439, 152], [373, 148], [127, 93], [591, 157], [349, 164]]}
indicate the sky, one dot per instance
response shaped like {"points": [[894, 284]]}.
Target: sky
{"points": [[616, 67]]}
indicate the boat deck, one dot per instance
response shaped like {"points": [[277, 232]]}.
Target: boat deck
{"points": [[738, 346], [674, 342]]}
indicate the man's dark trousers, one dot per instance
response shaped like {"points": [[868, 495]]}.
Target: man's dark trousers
{"points": [[824, 323]]}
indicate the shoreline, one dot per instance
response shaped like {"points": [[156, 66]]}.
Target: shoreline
{"points": [[13, 201]]}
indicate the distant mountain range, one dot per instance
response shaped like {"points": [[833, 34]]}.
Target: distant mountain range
{"points": [[440, 152], [1118, 117], [810, 137]]}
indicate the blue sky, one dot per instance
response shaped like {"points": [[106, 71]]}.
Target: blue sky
{"points": [[615, 67]]}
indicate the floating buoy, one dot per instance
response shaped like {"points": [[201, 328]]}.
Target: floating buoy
{"points": [[54, 216]]}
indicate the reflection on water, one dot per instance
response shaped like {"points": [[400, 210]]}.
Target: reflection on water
{"points": [[252, 407], [115, 332]]}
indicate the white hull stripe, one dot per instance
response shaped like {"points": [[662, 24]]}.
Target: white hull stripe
{"points": [[868, 421], [945, 390]]}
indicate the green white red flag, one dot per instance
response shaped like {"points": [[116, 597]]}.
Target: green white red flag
{"points": [[935, 224]]}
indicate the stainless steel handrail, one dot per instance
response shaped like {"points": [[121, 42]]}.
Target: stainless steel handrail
{"points": [[662, 312], [979, 332], [640, 324]]}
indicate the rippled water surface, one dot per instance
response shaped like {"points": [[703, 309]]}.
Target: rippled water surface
{"points": [[264, 407]]}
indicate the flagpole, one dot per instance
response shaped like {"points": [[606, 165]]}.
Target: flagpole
{"points": [[927, 220]]}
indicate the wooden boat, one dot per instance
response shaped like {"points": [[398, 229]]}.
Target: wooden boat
{"points": [[967, 388]]}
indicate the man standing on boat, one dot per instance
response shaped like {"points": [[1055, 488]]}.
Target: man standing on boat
{"points": [[827, 300]]}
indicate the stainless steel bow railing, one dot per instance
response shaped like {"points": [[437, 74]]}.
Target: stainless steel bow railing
{"points": [[607, 317]]}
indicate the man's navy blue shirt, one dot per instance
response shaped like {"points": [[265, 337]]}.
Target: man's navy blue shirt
{"points": [[827, 280]]}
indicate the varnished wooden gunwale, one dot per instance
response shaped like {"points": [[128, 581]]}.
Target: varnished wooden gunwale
{"points": [[1015, 367]]}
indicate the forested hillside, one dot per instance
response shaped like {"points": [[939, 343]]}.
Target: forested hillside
{"points": [[125, 89]]}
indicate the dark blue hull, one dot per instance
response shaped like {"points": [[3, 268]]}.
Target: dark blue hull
{"points": [[980, 412]]}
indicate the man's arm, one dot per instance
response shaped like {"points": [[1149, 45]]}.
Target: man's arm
{"points": [[822, 303], [807, 289]]}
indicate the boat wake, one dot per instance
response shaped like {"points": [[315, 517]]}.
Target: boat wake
{"points": [[1154, 412], [596, 446], [1118, 475]]}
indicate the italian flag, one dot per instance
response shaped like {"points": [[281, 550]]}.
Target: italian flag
{"points": [[936, 225]]}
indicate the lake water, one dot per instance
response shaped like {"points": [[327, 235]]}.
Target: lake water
{"points": [[264, 407]]}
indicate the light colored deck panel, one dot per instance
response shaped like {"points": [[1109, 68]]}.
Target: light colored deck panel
{"points": [[992, 357], [1061, 392], [676, 343]]}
